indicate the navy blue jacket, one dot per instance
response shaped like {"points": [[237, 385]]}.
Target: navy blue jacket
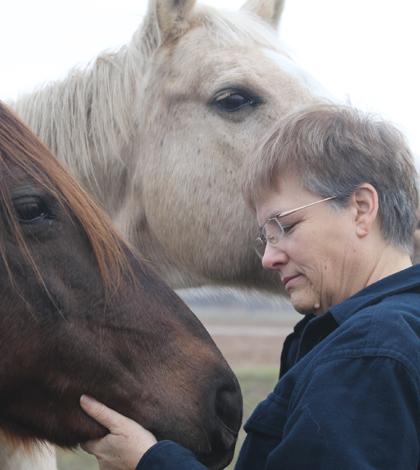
{"points": [[349, 391]]}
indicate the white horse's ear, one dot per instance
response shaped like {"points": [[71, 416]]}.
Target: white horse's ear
{"points": [[172, 15], [268, 10], [165, 19]]}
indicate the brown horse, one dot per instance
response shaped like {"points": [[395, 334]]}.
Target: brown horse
{"points": [[80, 313]]}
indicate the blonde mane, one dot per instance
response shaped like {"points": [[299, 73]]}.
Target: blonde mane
{"points": [[87, 113]]}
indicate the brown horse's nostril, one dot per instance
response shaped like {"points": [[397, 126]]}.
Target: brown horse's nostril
{"points": [[228, 411], [229, 408]]}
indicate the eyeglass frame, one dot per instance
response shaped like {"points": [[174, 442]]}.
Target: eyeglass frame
{"points": [[261, 237]]}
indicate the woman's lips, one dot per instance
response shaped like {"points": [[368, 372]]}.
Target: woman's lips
{"points": [[287, 279]]}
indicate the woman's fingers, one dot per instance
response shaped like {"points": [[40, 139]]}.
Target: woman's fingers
{"points": [[110, 419], [126, 442]]}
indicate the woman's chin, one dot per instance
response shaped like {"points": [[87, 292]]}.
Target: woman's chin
{"points": [[303, 306]]}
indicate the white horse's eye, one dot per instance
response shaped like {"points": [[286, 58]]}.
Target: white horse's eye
{"points": [[233, 100]]}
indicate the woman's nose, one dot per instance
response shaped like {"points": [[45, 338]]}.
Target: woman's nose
{"points": [[274, 257]]}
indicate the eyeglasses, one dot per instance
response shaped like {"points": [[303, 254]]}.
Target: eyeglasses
{"points": [[272, 231]]}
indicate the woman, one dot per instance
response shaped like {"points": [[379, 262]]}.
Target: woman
{"points": [[335, 197]]}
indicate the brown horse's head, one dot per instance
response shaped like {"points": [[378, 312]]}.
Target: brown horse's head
{"points": [[81, 314]]}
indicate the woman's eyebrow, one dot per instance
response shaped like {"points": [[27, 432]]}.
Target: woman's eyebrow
{"points": [[288, 212], [292, 211], [277, 214], [274, 214]]}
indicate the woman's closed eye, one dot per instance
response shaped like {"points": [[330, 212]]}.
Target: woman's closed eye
{"points": [[288, 228]]}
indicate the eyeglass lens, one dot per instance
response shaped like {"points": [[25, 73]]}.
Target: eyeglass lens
{"points": [[272, 232]]}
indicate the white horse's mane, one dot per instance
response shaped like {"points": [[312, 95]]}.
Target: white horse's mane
{"points": [[88, 111]]}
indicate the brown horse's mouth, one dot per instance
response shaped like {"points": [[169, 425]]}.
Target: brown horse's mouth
{"points": [[222, 451], [232, 432]]}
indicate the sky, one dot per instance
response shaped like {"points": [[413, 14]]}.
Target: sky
{"points": [[363, 51]]}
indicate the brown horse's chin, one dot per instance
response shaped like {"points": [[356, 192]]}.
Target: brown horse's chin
{"points": [[70, 426], [79, 428], [64, 423], [218, 458], [214, 448]]}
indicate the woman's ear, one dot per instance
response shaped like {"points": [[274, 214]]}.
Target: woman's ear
{"points": [[365, 204]]}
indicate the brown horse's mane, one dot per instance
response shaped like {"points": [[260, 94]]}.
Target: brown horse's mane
{"points": [[20, 147]]}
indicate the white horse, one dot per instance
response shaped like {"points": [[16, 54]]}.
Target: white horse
{"points": [[158, 131]]}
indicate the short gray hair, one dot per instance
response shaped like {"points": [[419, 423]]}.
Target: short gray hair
{"points": [[334, 149]]}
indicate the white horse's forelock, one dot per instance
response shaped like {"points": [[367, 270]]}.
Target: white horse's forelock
{"points": [[244, 28], [237, 27]]}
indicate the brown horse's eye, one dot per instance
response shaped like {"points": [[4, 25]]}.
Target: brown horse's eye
{"points": [[30, 209]]}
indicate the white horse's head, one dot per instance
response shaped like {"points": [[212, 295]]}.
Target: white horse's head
{"points": [[213, 83]]}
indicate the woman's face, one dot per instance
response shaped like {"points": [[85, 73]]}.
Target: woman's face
{"points": [[318, 259]]}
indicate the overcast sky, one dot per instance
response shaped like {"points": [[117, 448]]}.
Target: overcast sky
{"points": [[364, 50]]}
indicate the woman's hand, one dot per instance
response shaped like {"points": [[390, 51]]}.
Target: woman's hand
{"points": [[126, 442]]}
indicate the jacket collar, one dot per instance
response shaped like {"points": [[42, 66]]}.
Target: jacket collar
{"points": [[312, 329], [406, 280]]}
